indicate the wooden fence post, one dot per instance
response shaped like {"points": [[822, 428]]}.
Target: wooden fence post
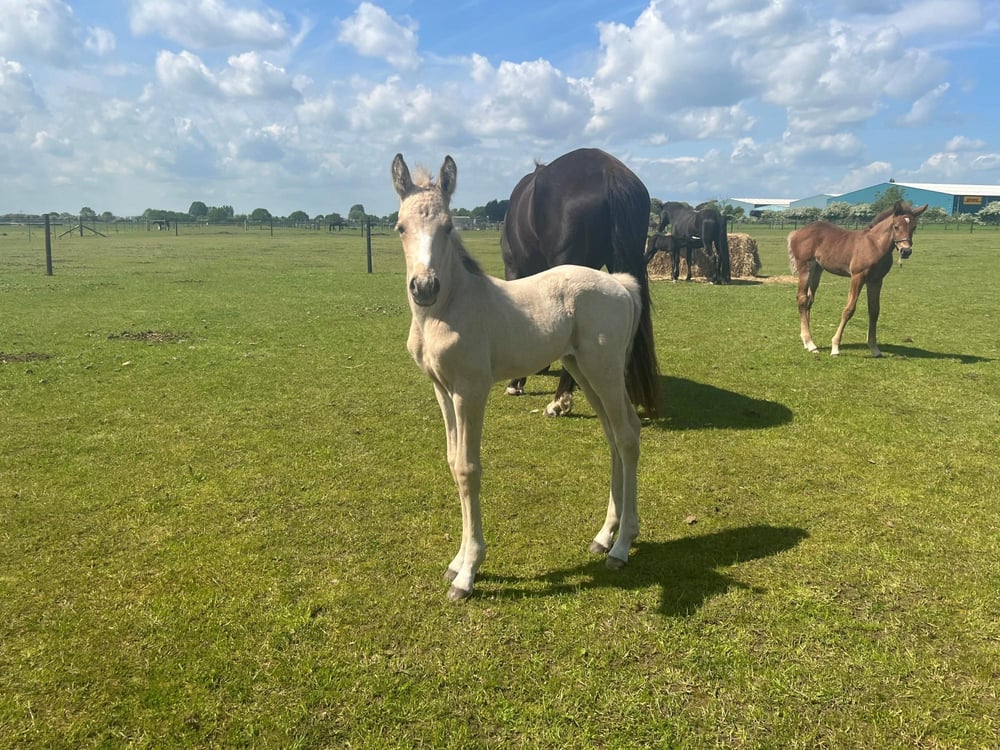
{"points": [[48, 247], [368, 242]]}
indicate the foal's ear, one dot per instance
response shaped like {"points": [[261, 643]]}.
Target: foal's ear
{"points": [[401, 176], [448, 177], [918, 211]]}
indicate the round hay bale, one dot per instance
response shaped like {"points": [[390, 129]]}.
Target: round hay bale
{"points": [[744, 260]]}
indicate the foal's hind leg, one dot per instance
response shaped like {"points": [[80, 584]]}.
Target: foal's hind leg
{"points": [[808, 282], [562, 402], [516, 387], [607, 394]]}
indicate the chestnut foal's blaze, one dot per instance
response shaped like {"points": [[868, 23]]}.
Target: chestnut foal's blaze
{"points": [[865, 255]]}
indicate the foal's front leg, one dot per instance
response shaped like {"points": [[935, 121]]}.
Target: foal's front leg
{"points": [[464, 420], [857, 281]]}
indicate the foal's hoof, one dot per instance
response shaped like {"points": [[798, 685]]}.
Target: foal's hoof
{"points": [[456, 594], [613, 563], [512, 391], [560, 407], [596, 548]]}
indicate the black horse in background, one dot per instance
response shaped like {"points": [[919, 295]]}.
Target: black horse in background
{"points": [[703, 227], [585, 208]]}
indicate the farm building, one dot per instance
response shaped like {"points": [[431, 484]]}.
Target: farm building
{"points": [[751, 205], [954, 199]]}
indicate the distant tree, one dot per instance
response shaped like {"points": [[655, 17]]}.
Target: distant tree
{"points": [[862, 212], [357, 214], [219, 213], [886, 199], [496, 210], [198, 210], [107, 217], [837, 211], [88, 213], [298, 216], [989, 214], [935, 215], [260, 214]]}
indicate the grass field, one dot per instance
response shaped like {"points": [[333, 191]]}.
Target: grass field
{"points": [[225, 514]]}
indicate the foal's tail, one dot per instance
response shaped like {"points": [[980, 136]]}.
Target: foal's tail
{"points": [[628, 202], [792, 263]]}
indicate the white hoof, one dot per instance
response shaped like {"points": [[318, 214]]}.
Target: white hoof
{"points": [[512, 391], [560, 407]]}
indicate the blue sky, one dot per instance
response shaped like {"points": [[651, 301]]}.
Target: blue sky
{"points": [[135, 104]]}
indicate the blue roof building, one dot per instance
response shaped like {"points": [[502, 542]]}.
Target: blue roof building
{"points": [[953, 198]]}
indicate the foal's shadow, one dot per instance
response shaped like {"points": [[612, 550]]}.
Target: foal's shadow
{"points": [[688, 571], [911, 352], [689, 405]]}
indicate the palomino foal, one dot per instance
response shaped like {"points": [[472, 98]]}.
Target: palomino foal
{"points": [[470, 330], [863, 254]]}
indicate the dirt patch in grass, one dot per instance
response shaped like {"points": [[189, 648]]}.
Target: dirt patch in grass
{"points": [[7, 359], [149, 337]]}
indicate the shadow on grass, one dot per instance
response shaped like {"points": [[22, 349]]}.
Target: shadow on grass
{"points": [[687, 405], [911, 352], [688, 571]]}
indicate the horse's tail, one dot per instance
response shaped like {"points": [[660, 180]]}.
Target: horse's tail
{"points": [[628, 201], [724, 261]]}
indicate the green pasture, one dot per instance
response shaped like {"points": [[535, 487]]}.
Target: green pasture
{"points": [[225, 513]]}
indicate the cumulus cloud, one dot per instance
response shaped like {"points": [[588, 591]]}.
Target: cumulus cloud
{"points": [[18, 97], [531, 98], [49, 31], [374, 33], [246, 76], [204, 24]]}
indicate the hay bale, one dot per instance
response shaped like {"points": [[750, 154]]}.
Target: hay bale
{"points": [[744, 260]]}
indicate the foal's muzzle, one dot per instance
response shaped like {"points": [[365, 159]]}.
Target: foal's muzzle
{"points": [[424, 288], [905, 250]]}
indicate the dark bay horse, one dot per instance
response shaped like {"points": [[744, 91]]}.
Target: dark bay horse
{"points": [[863, 254], [585, 208], [703, 227]]}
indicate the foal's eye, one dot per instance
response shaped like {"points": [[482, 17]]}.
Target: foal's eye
{"points": [[401, 229]]}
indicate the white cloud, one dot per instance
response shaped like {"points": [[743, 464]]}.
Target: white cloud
{"points": [[530, 98], [247, 76], [924, 108], [18, 97], [47, 30], [100, 41], [962, 143], [373, 33], [203, 24]]}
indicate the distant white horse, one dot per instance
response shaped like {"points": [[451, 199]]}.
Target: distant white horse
{"points": [[470, 330]]}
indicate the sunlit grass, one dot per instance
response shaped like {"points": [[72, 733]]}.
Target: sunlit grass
{"points": [[225, 514]]}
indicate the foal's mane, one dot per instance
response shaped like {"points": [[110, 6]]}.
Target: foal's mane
{"points": [[906, 207]]}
